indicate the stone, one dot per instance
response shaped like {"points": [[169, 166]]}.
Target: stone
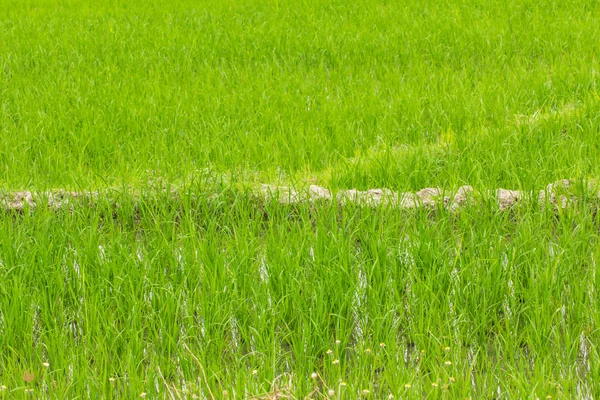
{"points": [[463, 195], [508, 198]]}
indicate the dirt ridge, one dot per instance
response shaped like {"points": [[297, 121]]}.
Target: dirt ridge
{"points": [[559, 194]]}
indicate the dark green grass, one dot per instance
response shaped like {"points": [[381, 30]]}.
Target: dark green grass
{"points": [[228, 287]]}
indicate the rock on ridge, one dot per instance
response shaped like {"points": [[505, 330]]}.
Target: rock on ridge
{"points": [[557, 194]]}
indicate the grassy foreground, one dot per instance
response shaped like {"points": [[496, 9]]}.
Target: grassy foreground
{"points": [[202, 297], [218, 294]]}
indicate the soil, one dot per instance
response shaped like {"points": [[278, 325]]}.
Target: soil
{"points": [[557, 194]]}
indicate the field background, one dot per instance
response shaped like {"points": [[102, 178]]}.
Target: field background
{"points": [[215, 293], [346, 94]]}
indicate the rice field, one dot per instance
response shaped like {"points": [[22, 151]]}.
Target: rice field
{"points": [[228, 200]]}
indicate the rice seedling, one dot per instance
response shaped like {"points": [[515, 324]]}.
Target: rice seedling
{"points": [[162, 269]]}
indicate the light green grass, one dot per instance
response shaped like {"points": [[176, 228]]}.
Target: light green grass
{"points": [[97, 94], [216, 290]]}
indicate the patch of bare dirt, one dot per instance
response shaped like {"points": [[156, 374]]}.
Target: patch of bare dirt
{"points": [[559, 194]]}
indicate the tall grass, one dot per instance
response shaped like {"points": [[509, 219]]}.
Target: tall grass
{"points": [[198, 297], [214, 293], [366, 93]]}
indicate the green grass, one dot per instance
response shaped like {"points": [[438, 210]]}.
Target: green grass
{"points": [[362, 93], [216, 290], [195, 294]]}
